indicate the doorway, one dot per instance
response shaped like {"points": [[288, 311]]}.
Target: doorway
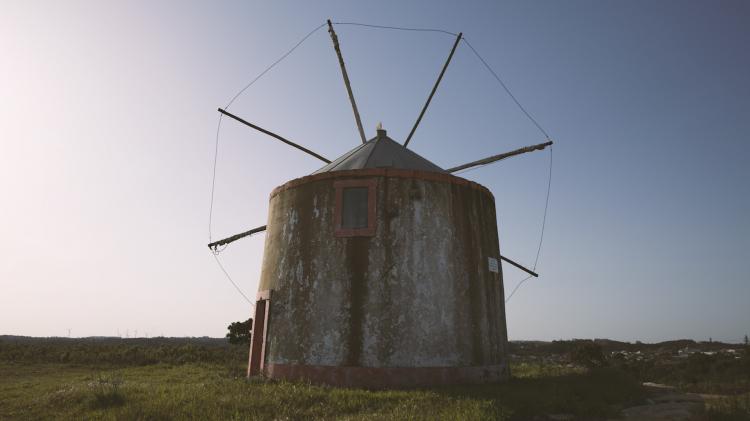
{"points": [[258, 335]]}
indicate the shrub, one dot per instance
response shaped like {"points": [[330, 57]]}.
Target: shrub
{"points": [[106, 391], [239, 332], [588, 354]]}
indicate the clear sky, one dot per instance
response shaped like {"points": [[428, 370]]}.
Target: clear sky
{"points": [[108, 119]]}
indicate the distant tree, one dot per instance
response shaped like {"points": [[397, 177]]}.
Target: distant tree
{"points": [[588, 354], [746, 341], [239, 332]]}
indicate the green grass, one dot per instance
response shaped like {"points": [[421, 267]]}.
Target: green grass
{"points": [[203, 378], [538, 370], [202, 391], [729, 408]]}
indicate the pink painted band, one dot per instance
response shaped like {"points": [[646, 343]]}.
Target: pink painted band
{"points": [[381, 172], [387, 377]]}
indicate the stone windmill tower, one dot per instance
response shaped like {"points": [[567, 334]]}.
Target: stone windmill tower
{"points": [[380, 269]]}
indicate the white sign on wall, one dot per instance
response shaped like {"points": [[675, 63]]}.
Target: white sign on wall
{"points": [[493, 264]]}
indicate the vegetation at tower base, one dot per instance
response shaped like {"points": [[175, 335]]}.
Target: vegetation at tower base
{"points": [[35, 385]]}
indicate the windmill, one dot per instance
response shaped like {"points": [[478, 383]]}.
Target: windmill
{"points": [[381, 268]]}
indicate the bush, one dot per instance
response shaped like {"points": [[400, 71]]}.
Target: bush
{"points": [[106, 391], [588, 354], [118, 351], [239, 332]]}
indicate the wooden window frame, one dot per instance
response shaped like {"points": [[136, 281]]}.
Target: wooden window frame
{"points": [[368, 231]]}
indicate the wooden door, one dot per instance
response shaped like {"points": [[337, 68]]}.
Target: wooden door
{"points": [[258, 337]]}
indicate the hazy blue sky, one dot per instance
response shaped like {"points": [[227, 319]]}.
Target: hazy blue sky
{"points": [[108, 116]]}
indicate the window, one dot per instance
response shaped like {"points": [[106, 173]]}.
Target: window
{"points": [[355, 208]]}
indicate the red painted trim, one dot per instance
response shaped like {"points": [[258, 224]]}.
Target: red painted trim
{"points": [[267, 312], [387, 377], [264, 295], [372, 186], [381, 172]]}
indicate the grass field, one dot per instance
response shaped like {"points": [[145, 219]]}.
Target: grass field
{"points": [[204, 391], [204, 379]]}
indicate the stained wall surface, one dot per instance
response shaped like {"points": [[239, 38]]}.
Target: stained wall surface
{"points": [[419, 293]]}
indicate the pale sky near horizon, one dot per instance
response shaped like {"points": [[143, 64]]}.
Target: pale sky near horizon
{"points": [[108, 120]]}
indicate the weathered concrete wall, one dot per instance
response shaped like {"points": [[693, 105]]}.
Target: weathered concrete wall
{"points": [[418, 293]]}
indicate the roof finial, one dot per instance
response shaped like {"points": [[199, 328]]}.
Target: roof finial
{"points": [[380, 130]]}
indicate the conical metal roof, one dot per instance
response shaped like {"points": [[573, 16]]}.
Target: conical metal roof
{"points": [[380, 152]]}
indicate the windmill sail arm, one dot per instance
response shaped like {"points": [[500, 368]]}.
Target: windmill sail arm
{"points": [[216, 244], [529, 271], [496, 158], [348, 84], [434, 88], [274, 135]]}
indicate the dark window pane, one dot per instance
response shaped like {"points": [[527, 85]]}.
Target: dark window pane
{"points": [[354, 208]]}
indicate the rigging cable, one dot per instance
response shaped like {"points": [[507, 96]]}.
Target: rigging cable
{"points": [[505, 87], [216, 153], [518, 104], [398, 28], [216, 256], [231, 101], [544, 223], [476, 53]]}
